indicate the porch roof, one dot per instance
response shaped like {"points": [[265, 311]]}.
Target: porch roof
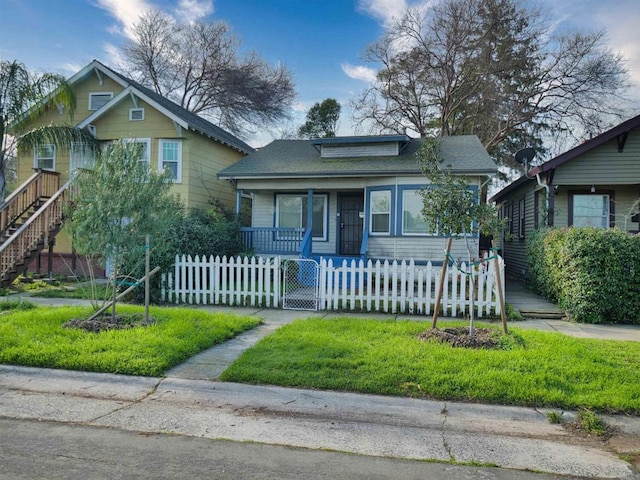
{"points": [[300, 158]]}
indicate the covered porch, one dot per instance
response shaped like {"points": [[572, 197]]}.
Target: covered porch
{"points": [[306, 224]]}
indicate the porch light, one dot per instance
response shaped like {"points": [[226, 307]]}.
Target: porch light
{"points": [[593, 189]]}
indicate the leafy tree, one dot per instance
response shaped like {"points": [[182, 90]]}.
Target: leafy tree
{"points": [[492, 68], [117, 204], [25, 96], [199, 66], [452, 208], [322, 120]]}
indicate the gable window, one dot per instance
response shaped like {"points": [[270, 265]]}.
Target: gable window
{"points": [[136, 114], [98, 99], [170, 158], [413, 222], [292, 212], [45, 157], [380, 211], [81, 156], [590, 210]]}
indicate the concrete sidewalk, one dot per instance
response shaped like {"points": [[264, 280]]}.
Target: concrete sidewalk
{"points": [[188, 402], [508, 437]]}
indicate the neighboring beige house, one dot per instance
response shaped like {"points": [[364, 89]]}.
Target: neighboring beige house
{"points": [[595, 184], [112, 107], [349, 197]]}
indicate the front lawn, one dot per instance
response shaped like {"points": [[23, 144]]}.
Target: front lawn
{"points": [[386, 357], [36, 338]]}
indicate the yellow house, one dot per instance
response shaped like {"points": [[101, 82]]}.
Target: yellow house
{"points": [[110, 107]]}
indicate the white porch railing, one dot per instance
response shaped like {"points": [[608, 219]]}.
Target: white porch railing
{"points": [[391, 287]]}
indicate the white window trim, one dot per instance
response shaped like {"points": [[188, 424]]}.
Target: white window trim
{"points": [[138, 109], [372, 213], [303, 196], [402, 225], [36, 157], [92, 94], [142, 140], [161, 142], [75, 145]]}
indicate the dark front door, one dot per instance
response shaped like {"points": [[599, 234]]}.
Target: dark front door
{"points": [[350, 223]]}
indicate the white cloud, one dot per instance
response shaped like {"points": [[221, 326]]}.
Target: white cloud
{"points": [[385, 10], [301, 107], [623, 34], [126, 12], [71, 68], [113, 54], [192, 10], [359, 72]]}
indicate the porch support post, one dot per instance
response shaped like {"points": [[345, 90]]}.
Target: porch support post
{"points": [[52, 242], [238, 201], [310, 217], [551, 205]]}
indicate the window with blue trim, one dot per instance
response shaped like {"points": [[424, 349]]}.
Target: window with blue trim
{"points": [[413, 222], [291, 211], [380, 211]]}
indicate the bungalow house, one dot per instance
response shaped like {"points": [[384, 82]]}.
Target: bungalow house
{"points": [[348, 197], [594, 184], [111, 107]]}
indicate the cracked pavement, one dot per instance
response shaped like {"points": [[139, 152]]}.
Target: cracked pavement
{"points": [[509, 437]]}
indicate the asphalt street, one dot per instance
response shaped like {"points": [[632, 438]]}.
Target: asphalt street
{"points": [[55, 451]]}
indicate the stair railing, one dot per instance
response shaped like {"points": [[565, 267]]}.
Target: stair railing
{"points": [[34, 231], [42, 184]]}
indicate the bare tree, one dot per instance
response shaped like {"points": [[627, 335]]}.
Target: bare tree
{"points": [[491, 68], [199, 66]]}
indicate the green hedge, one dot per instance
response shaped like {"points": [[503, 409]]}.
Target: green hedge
{"points": [[592, 273]]}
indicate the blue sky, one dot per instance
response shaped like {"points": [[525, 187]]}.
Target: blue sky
{"points": [[320, 41]]}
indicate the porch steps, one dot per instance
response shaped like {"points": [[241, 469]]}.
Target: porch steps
{"points": [[531, 305]]}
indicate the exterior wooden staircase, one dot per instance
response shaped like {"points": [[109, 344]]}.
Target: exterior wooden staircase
{"points": [[29, 219]]}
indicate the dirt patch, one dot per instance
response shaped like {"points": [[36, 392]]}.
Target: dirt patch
{"points": [[106, 322], [486, 338]]}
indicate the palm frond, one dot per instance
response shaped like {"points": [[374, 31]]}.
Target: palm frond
{"points": [[60, 135]]}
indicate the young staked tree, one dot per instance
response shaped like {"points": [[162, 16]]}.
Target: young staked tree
{"points": [[117, 204], [322, 120], [495, 69], [25, 96], [453, 209], [199, 66]]}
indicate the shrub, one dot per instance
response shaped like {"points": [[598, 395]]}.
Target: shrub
{"points": [[590, 272], [200, 232]]}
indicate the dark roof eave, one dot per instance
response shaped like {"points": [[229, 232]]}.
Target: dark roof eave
{"points": [[377, 173], [510, 188], [588, 145]]}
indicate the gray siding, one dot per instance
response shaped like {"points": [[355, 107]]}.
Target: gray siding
{"points": [[514, 245], [418, 248], [624, 198], [603, 165], [346, 151]]}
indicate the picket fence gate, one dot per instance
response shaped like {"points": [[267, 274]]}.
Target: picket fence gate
{"points": [[390, 287]]}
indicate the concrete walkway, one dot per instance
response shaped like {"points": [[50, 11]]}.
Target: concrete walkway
{"points": [[530, 304]]}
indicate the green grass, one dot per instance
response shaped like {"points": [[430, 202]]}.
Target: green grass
{"points": [[549, 370], [591, 423], [102, 292], [36, 338]]}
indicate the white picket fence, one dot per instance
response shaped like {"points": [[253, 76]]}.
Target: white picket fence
{"points": [[391, 287]]}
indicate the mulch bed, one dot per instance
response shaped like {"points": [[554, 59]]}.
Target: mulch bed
{"points": [[486, 338], [106, 322]]}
